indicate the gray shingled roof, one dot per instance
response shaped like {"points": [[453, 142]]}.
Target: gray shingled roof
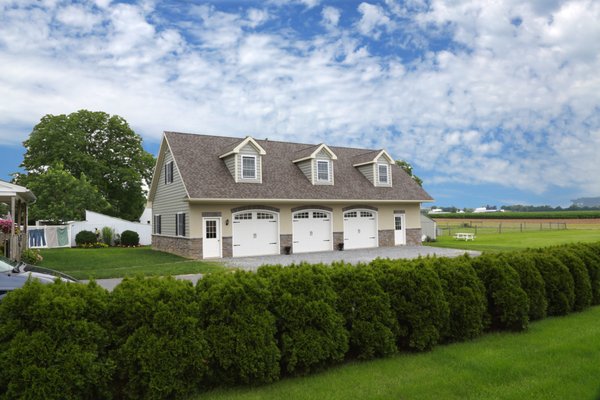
{"points": [[206, 176]]}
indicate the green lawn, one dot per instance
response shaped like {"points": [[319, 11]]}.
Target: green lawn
{"points": [[117, 262], [557, 358], [518, 240]]}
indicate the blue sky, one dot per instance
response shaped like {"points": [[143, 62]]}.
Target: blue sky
{"points": [[492, 102]]}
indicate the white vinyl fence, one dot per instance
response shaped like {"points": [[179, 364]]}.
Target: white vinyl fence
{"points": [[52, 236]]}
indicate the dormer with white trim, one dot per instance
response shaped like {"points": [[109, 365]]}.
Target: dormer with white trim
{"points": [[376, 166], [244, 161], [316, 163]]}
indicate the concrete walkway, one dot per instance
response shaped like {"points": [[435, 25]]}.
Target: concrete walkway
{"points": [[326, 257]]}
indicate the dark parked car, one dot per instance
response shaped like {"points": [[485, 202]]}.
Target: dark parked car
{"points": [[13, 275]]}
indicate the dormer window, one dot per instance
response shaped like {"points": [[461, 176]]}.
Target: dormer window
{"points": [[323, 171], [244, 161], [248, 167], [375, 166], [383, 170]]}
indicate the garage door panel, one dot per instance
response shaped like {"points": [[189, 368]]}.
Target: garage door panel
{"points": [[255, 233], [360, 229], [311, 231]]}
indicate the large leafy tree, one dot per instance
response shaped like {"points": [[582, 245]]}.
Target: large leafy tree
{"points": [[61, 197], [405, 165], [100, 146]]}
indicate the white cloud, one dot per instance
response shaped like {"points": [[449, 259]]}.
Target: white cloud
{"points": [[331, 17], [511, 104], [373, 20]]}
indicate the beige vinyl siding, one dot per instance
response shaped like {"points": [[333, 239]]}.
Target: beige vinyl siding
{"points": [[230, 164], [367, 171], [377, 183], [250, 151], [306, 168], [170, 199]]}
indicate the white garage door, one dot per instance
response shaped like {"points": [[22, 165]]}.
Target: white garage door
{"points": [[360, 229], [255, 233], [311, 231]]}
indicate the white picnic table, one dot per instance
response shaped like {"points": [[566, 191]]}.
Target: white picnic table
{"points": [[464, 236]]}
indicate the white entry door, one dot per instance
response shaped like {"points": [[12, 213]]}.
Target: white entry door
{"points": [[211, 237], [255, 233], [399, 229], [311, 231], [360, 229]]}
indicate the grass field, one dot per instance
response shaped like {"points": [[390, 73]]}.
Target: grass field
{"points": [[523, 215], [557, 358], [517, 240], [117, 262]]}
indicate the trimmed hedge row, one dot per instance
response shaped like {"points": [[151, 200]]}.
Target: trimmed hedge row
{"points": [[161, 338]]}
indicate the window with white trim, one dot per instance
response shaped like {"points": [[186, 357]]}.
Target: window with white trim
{"points": [[243, 216], [157, 224], [366, 214], [323, 171], [180, 224], [169, 172], [384, 174], [249, 167], [351, 214], [319, 214]]}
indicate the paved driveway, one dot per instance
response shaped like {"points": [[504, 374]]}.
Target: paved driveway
{"points": [[350, 256], [326, 257]]}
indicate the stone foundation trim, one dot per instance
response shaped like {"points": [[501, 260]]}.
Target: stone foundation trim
{"points": [[413, 236], [227, 246], [285, 241], [181, 246], [257, 207], [386, 238]]}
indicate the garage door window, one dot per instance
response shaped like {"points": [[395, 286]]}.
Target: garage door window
{"points": [[301, 215], [351, 214], [243, 216], [366, 214], [318, 214], [261, 215]]}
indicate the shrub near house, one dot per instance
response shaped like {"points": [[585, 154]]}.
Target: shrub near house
{"points": [[160, 338]]}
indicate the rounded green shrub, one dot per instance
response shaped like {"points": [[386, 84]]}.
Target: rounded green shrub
{"points": [[366, 310], [417, 301], [507, 303], [130, 238], [85, 237], [581, 280], [560, 291], [310, 332], [591, 260], [160, 349], [239, 328], [465, 295], [53, 342], [531, 282]]}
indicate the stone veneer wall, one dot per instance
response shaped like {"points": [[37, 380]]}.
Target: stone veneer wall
{"points": [[387, 238], [185, 247], [413, 237], [227, 244], [284, 241], [338, 237]]}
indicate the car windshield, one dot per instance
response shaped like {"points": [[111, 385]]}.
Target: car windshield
{"points": [[6, 265]]}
